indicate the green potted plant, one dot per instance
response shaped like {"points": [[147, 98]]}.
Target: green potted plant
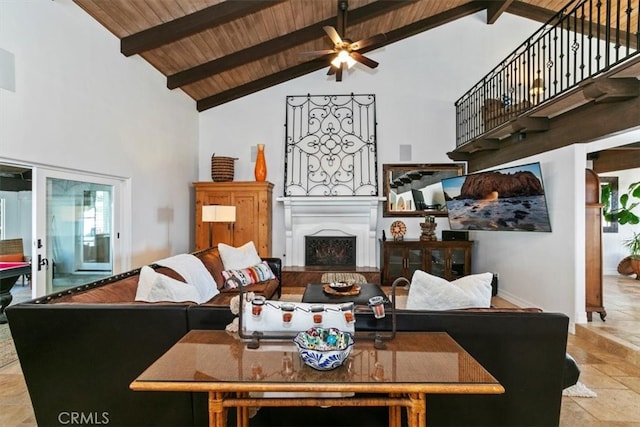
{"points": [[625, 215], [628, 202]]}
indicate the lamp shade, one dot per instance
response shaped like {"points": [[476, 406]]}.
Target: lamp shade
{"points": [[218, 213], [537, 88]]}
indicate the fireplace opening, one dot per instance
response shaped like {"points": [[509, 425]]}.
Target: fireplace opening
{"points": [[330, 251]]}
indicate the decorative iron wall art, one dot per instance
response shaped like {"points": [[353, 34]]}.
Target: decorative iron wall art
{"points": [[331, 146]]}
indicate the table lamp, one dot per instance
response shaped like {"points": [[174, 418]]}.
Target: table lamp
{"points": [[218, 213]]}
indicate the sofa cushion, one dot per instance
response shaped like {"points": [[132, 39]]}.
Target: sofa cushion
{"points": [[248, 276], [239, 258], [428, 292], [156, 287]]}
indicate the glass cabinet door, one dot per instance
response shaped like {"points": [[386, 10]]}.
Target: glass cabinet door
{"points": [[438, 262], [395, 263], [458, 266], [414, 262]]}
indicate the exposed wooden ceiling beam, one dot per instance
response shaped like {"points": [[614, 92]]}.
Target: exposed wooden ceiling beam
{"points": [[495, 9], [616, 159], [535, 13], [263, 83], [277, 45], [310, 66], [434, 21], [543, 15], [188, 25]]}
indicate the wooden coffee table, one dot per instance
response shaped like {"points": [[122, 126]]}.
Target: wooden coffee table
{"points": [[413, 365], [314, 292]]}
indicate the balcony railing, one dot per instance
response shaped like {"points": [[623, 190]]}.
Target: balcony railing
{"points": [[585, 39]]}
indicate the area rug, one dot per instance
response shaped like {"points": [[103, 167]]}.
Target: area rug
{"points": [[7, 349], [578, 390]]}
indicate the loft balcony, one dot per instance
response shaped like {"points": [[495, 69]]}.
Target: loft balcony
{"points": [[576, 79]]}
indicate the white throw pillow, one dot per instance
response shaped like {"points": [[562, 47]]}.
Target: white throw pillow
{"points": [[428, 292], [238, 258], [157, 287]]}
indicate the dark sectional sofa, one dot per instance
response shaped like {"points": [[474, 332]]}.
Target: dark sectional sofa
{"points": [[79, 357]]}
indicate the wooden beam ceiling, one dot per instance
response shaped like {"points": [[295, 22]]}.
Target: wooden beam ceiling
{"points": [[277, 45], [191, 24], [219, 50], [314, 65]]}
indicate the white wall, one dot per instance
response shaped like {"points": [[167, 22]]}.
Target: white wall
{"points": [[80, 104], [416, 85], [540, 269]]}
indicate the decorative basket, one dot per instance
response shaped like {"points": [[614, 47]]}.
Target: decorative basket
{"points": [[222, 168]]}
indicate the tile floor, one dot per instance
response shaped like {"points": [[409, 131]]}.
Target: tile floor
{"points": [[608, 354]]}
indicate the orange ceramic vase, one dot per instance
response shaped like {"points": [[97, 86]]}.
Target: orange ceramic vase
{"points": [[260, 171]]}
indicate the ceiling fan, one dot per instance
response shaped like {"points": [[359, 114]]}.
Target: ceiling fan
{"points": [[345, 52]]}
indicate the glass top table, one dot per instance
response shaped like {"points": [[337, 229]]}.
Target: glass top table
{"points": [[412, 366]]}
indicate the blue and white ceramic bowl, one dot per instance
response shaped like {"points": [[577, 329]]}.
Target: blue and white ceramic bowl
{"points": [[324, 348]]}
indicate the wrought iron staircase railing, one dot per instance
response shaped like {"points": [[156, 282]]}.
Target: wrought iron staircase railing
{"points": [[584, 40]]}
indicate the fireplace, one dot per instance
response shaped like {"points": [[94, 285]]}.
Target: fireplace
{"points": [[335, 251], [334, 216]]}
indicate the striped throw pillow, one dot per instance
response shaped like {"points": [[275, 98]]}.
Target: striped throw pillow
{"points": [[247, 276]]}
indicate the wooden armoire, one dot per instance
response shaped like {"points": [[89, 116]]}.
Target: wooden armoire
{"points": [[594, 299], [253, 202]]}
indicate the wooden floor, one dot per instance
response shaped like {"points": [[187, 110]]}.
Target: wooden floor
{"points": [[608, 354]]}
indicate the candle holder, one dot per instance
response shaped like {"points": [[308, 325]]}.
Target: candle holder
{"points": [[377, 306]]}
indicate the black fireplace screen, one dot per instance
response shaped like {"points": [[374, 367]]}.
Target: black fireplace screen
{"points": [[330, 251]]}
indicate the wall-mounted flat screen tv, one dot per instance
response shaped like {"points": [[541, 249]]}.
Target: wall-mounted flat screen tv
{"points": [[508, 199]]}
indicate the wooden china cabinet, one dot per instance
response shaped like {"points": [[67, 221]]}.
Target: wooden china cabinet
{"points": [[253, 202], [447, 259]]}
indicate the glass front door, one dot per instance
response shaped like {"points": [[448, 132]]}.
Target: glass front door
{"points": [[79, 232], [75, 242]]}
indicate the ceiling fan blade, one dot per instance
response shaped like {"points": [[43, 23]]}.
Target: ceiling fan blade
{"points": [[364, 60], [332, 70], [339, 72], [333, 34], [378, 38], [317, 52]]}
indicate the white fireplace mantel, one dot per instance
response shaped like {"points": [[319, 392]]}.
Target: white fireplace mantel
{"points": [[336, 215]]}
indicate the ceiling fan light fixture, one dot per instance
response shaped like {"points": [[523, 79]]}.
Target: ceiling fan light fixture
{"points": [[343, 57]]}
